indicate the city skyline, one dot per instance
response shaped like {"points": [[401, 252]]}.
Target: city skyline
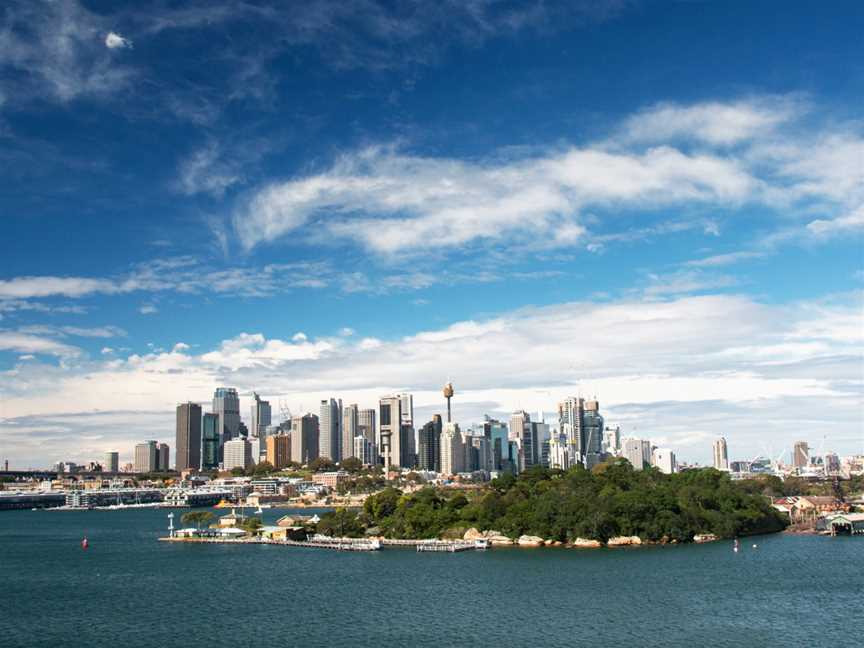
{"points": [[657, 205]]}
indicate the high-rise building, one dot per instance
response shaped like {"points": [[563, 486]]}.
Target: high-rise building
{"points": [[330, 429], [664, 460], [541, 435], [452, 450], [145, 457], [304, 438], [429, 447], [366, 424], [238, 453], [187, 441], [612, 440], [801, 454], [498, 436], [350, 429], [163, 457], [260, 416], [226, 405], [721, 455], [478, 453], [111, 462], [365, 450], [593, 425], [570, 422], [637, 452], [210, 438], [558, 456], [522, 433], [278, 450], [395, 437]]}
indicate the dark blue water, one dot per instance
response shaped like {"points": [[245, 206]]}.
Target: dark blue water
{"points": [[129, 590]]}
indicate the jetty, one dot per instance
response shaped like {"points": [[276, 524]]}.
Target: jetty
{"points": [[337, 544]]}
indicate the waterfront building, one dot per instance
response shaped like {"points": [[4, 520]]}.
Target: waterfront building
{"points": [[801, 455], [664, 460], [111, 463], [330, 429], [366, 424], [721, 454], [188, 437], [237, 454], [365, 450], [279, 450], [350, 429], [637, 452], [163, 457], [226, 405], [452, 450], [429, 446], [261, 416], [210, 439], [144, 458], [304, 438]]}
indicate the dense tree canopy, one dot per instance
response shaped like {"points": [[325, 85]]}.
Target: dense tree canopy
{"points": [[613, 499]]}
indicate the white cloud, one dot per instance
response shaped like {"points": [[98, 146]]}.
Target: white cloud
{"points": [[677, 358], [205, 171], [729, 258], [389, 201], [148, 309], [116, 41], [716, 123], [852, 221], [28, 343]]}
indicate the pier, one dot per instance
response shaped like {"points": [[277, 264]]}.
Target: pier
{"points": [[337, 544]]}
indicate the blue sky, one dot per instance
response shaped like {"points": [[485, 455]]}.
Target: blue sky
{"points": [[660, 203]]}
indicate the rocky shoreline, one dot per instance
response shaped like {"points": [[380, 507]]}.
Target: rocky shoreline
{"points": [[496, 538]]}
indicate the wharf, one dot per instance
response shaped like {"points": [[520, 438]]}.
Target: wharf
{"points": [[344, 544]]}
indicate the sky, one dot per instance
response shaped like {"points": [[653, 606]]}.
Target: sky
{"points": [[660, 204]]}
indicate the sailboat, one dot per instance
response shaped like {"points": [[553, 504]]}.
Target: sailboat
{"points": [[84, 543], [736, 546]]}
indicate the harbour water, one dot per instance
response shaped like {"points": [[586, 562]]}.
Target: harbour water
{"points": [[128, 589]]}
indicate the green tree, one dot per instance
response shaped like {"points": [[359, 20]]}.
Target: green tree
{"points": [[197, 518], [322, 464], [341, 523], [351, 464]]}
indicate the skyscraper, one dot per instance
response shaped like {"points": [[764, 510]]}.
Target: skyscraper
{"points": [[163, 457], [664, 460], [498, 436], [523, 434], [366, 424], [111, 463], [330, 429], [637, 452], [801, 454], [612, 440], [452, 450], [389, 438], [210, 441], [721, 457], [304, 438], [279, 450], [145, 457], [260, 416], [350, 429], [187, 442], [226, 405], [580, 421], [365, 450], [238, 453], [429, 448], [592, 423]]}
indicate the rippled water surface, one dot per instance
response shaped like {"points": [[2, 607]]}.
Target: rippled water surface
{"points": [[129, 590]]}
